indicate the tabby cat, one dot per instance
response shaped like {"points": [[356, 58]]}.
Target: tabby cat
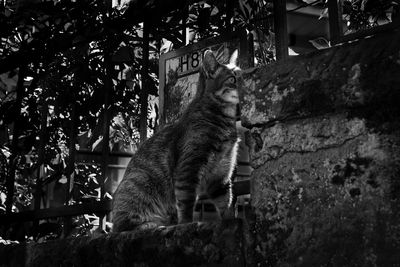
{"points": [[195, 155]]}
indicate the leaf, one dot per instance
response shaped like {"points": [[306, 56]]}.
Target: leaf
{"points": [[8, 82], [97, 142], [5, 152], [363, 4], [100, 81], [166, 46], [108, 196], [246, 9], [324, 14], [214, 11], [63, 179]]}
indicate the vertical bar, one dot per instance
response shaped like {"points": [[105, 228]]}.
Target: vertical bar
{"points": [[161, 89], [335, 20], [72, 151], [41, 151], [201, 211], [106, 131], [71, 164], [246, 50], [14, 144], [229, 14], [185, 14], [250, 45], [105, 149], [144, 92], [73, 131], [280, 25]]}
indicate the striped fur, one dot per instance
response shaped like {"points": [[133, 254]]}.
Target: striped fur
{"points": [[195, 155]]}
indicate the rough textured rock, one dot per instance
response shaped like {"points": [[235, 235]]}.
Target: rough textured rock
{"points": [[325, 190], [363, 73], [215, 244], [325, 148]]}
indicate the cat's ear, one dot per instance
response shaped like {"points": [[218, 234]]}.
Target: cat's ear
{"points": [[233, 61], [210, 63]]}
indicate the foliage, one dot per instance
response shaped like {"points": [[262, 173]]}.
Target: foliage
{"points": [[63, 48], [363, 14], [208, 18]]}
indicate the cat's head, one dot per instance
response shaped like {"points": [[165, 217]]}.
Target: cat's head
{"points": [[220, 81]]}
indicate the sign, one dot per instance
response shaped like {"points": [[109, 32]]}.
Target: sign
{"points": [[179, 70], [189, 63]]}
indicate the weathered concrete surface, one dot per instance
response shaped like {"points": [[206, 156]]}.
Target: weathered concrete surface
{"points": [[363, 73], [325, 148], [326, 191], [215, 244]]}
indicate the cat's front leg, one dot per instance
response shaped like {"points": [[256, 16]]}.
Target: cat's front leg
{"points": [[221, 195], [185, 200], [193, 158], [186, 181]]}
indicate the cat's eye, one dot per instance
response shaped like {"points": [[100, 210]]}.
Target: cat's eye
{"points": [[231, 79]]}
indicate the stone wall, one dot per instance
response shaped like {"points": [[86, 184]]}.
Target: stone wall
{"points": [[196, 244], [325, 148]]}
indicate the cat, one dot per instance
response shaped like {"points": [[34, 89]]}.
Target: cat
{"points": [[196, 155]]}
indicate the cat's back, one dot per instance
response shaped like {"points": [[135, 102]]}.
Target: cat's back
{"points": [[146, 187], [156, 155]]}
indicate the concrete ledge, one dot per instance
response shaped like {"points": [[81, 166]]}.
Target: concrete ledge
{"points": [[196, 244], [362, 73]]}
